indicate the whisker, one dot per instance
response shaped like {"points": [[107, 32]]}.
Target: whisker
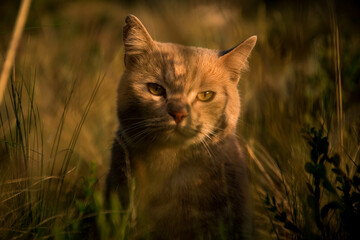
{"points": [[142, 124], [207, 148], [142, 118], [145, 132], [213, 128]]}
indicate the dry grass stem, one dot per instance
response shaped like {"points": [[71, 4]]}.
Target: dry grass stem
{"points": [[10, 56]]}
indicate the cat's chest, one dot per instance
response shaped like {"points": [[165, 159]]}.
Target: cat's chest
{"points": [[164, 181], [165, 173], [176, 191]]}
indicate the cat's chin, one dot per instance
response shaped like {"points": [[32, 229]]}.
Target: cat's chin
{"points": [[169, 137], [178, 137]]}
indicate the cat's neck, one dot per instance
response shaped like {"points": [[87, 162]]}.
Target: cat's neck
{"points": [[166, 159]]}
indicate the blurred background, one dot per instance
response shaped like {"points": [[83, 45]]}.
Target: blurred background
{"points": [[304, 72]]}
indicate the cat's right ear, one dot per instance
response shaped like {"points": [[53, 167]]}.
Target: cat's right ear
{"points": [[136, 39], [235, 59]]}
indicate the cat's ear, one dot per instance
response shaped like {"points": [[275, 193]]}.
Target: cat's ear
{"points": [[235, 59], [136, 39]]}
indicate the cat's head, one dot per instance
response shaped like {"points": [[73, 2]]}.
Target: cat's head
{"points": [[173, 94]]}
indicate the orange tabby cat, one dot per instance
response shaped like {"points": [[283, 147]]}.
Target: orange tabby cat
{"points": [[178, 108]]}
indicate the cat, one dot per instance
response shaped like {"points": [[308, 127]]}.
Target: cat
{"points": [[176, 161]]}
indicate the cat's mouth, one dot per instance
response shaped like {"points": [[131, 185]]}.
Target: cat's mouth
{"points": [[182, 133]]}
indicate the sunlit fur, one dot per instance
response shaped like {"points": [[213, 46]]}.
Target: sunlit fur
{"points": [[190, 175]]}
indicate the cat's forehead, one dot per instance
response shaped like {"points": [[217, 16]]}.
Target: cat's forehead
{"points": [[185, 55], [182, 65]]}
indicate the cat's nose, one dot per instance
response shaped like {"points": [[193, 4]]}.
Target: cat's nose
{"points": [[177, 111], [178, 116]]}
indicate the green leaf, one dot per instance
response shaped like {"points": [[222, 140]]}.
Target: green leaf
{"points": [[328, 186], [331, 205], [310, 187], [338, 171], [339, 179], [335, 160], [267, 200], [291, 227], [272, 209], [314, 155], [278, 217], [310, 168], [355, 197], [281, 217], [323, 146], [81, 206], [322, 171], [356, 181], [311, 201], [322, 157], [313, 131]]}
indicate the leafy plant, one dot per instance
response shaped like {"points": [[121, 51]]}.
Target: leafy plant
{"points": [[334, 205]]}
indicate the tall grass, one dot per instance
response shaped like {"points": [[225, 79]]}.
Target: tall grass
{"points": [[35, 196], [314, 199]]}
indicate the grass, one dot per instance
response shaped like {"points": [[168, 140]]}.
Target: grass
{"points": [[332, 206], [58, 113], [34, 191]]}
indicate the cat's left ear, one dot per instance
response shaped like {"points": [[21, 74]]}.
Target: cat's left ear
{"points": [[137, 40], [235, 59]]}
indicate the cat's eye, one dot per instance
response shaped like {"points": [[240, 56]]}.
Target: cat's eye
{"points": [[205, 96], [156, 89]]}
